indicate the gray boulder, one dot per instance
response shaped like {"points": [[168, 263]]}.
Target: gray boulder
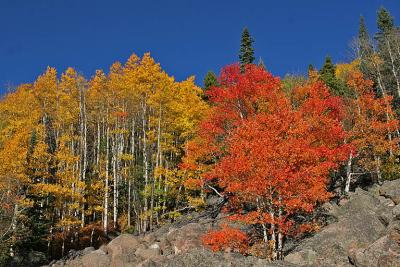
{"points": [[384, 252], [122, 249], [302, 257], [95, 259], [358, 226], [206, 258], [391, 189], [186, 238]]}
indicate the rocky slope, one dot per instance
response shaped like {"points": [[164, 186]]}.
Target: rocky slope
{"points": [[364, 231]]}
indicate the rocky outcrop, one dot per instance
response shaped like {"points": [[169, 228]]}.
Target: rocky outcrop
{"points": [[363, 231], [391, 189], [173, 247]]}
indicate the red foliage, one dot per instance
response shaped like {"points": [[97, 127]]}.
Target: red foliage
{"points": [[239, 97], [268, 154], [226, 238]]}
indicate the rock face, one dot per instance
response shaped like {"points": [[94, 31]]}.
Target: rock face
{"points": [[363, 230], [391, 189], [364, 234]]}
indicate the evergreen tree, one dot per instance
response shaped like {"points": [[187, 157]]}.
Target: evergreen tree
{"points": [[364, 39], [210, 80], [385, 21], [328, 76], [328, 69], [387, 46], [365, 49], [246, 55]]}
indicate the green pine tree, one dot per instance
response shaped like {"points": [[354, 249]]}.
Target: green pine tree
{"points": [[385, 21], [365, 48], [246, 55], [328, 76], [387, 40], [210, 80], [328, 69]]}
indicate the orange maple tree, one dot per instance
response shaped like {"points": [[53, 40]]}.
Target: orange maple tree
{"points": [[270, 158], [374, 127], [228, 238]]}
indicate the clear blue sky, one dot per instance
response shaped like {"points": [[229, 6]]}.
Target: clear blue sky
{"points": [[187, 37]]}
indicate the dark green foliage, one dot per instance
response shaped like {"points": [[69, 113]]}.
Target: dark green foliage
{"points": [[388, 40], [27, 232], [365, 50], [246, 55], [365, 45], [328, 69], [385, 21], [5, 257], [328, 76], [210, 80]]}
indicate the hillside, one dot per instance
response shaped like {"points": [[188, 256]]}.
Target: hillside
{"points": [[364, 230], [133, 167]]}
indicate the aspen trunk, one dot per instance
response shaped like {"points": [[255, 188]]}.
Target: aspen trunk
{"points": [[348, 174], [129, 203], [145, 165], [378, 168], [129, 212], [157, 166], [273, 238], [115, 188], [98, 144], [83, 133], [105, 226], [280, 234]]}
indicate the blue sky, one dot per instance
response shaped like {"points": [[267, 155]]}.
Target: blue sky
{"points": [[187, 37]]}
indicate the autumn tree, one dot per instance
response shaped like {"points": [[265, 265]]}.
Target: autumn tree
{"points": [[371, 125], [271, 159], [89, 157]]}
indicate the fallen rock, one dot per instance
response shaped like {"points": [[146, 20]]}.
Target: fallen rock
{"points": [[396, 212], [147, 253], [206, 258], [303, 257], [95, 259], [124, 243], [122, 249], [186, 238], [391, 189], [358, 226], [384, 252], [386, 201]]}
